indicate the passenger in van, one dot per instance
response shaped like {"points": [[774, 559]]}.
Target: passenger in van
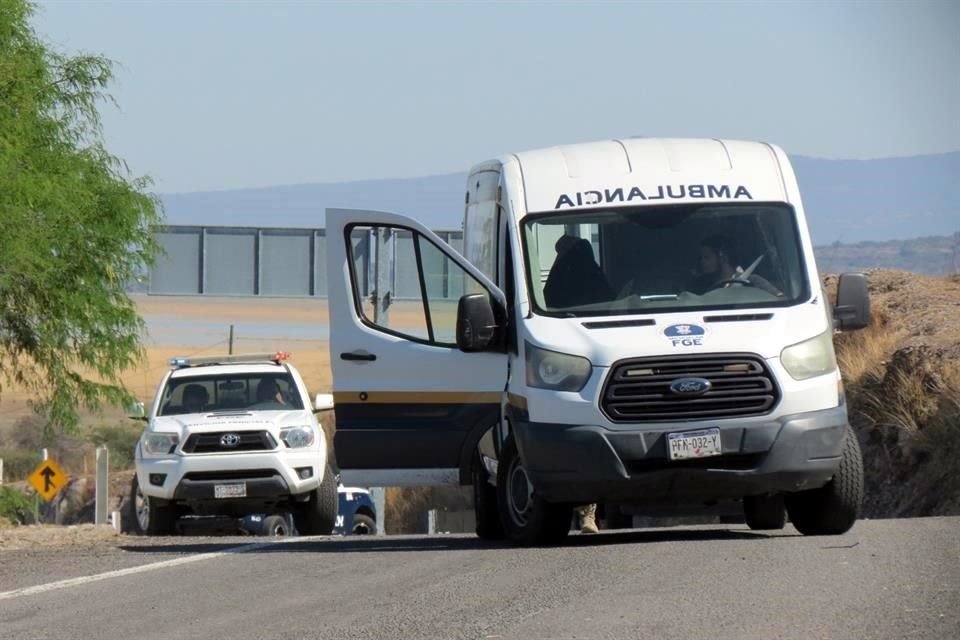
{"points": [[718, 264], [575, 279]]}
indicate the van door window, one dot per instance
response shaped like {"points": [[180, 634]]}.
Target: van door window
{"points": [[416, 285]]}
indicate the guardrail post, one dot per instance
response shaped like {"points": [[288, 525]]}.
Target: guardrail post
{"points": [[431, 522], [379, 502], [102, 489]]}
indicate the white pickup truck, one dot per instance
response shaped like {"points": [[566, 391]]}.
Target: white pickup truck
{"points": [[233, 436]]}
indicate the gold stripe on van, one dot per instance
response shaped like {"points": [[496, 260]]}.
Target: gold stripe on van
{"points": [[417, 397], [517, 402]]}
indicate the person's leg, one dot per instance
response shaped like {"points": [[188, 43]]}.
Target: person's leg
{"points": [[586, 514]]}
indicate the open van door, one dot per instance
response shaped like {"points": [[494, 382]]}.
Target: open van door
{"points": [[410, 405]]}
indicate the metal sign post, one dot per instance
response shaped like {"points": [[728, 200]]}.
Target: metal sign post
{"points": [[103, 489]]}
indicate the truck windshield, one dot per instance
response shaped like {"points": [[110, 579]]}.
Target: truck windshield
{"points": [[230, 392], [661, 259]]}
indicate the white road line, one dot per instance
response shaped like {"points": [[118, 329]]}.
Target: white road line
{"points": [[144, 568]]}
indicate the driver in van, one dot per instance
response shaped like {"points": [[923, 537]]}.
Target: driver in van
{"points": [[718, 268]]}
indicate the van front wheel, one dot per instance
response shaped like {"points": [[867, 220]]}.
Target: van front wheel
{"points": [[527, 518], [832, 509]]}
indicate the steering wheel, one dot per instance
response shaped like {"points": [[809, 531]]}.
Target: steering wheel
{"points": [[742, 278], [723, 283]]}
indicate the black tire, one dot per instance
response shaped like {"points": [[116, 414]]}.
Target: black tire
{"points": [[489, 524], [764, 513], [318, 516], [527, 518], [363, 525], [834, 508], [274, 526], [149, 516]]}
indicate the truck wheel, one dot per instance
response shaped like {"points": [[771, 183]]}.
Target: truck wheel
{"points": [[527, 518], [834, 508], [764, 513], [274, 526], [318, 516], [148, 516], [363, 525], [489, 525]]}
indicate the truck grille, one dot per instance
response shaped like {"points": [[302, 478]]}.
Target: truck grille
{"points": [[638, 390], [213, 443]]}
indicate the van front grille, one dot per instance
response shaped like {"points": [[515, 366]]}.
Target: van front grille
{"points": [[639, 389]]}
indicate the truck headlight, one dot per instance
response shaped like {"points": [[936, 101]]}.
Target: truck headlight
{"points": [[556, 371], [811, 358], [297, 437], [160, 443]]}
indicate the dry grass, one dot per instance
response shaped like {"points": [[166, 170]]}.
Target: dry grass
{"points": [[863, 354], [902, 377]]}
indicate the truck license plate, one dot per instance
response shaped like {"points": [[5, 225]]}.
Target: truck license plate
{"points": [[694, 444], [237, 490]]}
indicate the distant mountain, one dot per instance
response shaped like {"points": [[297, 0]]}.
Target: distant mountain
{"points": [[846, 200], [935, 255]]}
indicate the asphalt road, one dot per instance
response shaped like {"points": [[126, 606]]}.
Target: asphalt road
{"points": [[885, 579]]}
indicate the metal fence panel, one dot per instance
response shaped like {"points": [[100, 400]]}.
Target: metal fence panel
{"points": [[177, 269], [231, 262], [285, 262], [320, 264]]}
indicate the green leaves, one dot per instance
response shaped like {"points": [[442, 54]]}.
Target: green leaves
{"points": [[75, 228]]}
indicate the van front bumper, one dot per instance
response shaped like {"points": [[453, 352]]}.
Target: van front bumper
{"points": [[589, 463]]}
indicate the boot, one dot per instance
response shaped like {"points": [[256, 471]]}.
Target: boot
{"points": [[587, 516]]}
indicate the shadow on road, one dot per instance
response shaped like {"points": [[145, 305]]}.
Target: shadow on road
{"points": [[374, 544]]}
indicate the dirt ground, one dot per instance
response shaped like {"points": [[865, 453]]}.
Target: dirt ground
{"points": [[36, 536]]}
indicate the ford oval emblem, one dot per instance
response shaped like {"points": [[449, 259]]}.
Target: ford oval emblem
{"points": [[690, 386]]}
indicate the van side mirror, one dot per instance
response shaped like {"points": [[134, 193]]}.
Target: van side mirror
{"points": [[476, 322], [137, 411], [323, 402], [852, 310]]}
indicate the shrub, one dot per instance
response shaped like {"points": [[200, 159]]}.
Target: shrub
{"points": [[15, 506], [120, 440], [17, 464]]}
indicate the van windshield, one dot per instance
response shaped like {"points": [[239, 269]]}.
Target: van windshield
{"points": [[661, 259]]}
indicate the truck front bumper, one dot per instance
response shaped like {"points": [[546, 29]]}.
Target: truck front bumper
{"points": [[267, 475]]}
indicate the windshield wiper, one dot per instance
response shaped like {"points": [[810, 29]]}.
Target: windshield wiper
{"points": [[659, 296]]}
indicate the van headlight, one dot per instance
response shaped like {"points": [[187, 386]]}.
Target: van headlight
{"points": [[556, 371], [158, 444], [811, 358], [297, 437]]}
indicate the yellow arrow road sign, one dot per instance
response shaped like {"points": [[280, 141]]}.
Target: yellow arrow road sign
{"points": [[48, 478]]}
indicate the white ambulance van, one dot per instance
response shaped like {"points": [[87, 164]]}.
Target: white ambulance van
{"points": [[635, 322]]}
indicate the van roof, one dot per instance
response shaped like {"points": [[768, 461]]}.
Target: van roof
{"points": [[656, 170]]}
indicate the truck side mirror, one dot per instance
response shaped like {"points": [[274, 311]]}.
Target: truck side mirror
{"points": [[137, 411], [476, 322], [852, 310], [323, 402]]}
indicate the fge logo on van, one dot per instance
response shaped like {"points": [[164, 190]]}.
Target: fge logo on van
{"points": [[685, 335]]}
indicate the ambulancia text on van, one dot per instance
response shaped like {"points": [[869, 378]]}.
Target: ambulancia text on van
{"points": [[634, 322]]}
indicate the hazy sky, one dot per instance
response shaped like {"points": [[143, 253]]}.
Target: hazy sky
{"points": [[217, 95]]}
